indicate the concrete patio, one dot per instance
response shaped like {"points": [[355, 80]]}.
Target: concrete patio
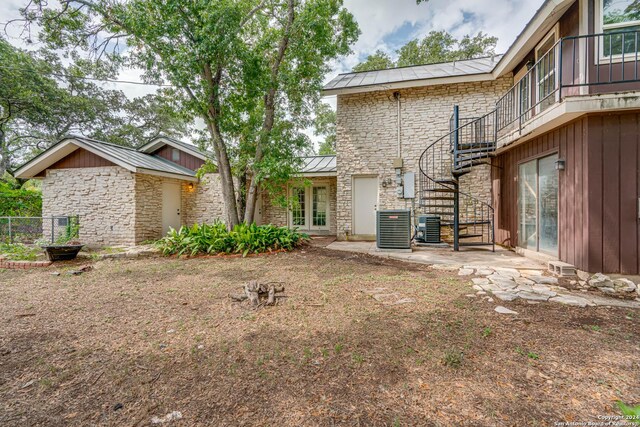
{"points": [[445, 256]]}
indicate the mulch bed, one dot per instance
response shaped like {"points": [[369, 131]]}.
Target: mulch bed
{"points": [[134, 339]]}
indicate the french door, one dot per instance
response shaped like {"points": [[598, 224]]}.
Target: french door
{"points": [[538, 205], [310, 207]]}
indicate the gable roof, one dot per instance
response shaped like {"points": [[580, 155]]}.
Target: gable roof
{"points": [[319, 165], [128, 158], [419, 75], [161, 141]]}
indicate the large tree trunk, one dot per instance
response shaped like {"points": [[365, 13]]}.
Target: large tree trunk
{"points": [[226, 177], [269, 115], [4, 154]]}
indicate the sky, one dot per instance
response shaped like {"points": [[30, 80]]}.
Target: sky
{"points": [[384, 25]]}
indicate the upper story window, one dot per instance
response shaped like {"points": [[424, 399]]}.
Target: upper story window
{"points": [[620, 22], [175, 155]]}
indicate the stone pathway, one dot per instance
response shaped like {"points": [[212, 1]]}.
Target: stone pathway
{"points": [[509, 284]]}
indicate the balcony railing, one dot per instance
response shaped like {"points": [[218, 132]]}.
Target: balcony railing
{"points": [[575, 65]]}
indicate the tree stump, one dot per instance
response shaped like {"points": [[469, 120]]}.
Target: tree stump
{"points": [[255, 291]]}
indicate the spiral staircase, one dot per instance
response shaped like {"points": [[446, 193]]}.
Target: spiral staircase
{"points": [[465, 219]]}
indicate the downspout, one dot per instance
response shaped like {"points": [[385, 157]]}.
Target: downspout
{"points": [[396, 95]]}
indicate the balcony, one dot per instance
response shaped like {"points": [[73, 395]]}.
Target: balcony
{"points": [[577, 75]]}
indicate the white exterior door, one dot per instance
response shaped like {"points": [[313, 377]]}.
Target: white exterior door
{"points": [[365, 204], [171, 199]]}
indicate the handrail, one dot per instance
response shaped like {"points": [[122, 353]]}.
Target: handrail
{"points": [[596, 60]]}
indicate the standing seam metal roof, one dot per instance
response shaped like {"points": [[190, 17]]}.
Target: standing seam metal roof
{"points": [[135, 158], [317, 164], [417, 72]]}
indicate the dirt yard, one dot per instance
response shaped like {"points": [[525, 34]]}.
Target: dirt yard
{"points": [[137, 339]]}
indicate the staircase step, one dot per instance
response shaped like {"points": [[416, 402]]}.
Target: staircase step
{"points": [[441, 190], [447, 181], [469, 236], [439, 198], [486, 149]]}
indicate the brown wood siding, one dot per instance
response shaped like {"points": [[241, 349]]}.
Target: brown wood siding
{"points": [[81, 158], [187, 160], [598, 191], [613, 183]]}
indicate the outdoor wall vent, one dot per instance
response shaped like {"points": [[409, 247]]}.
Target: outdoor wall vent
{"points": [[393, 229]]}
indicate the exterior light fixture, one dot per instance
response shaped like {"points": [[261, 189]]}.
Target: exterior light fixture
{"points": [[191, 186], [560, 164]]}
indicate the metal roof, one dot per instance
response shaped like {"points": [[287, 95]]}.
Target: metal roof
{"points": [[414, 73], [136, 158], [159, 141], [318, 164], [129, 158]]}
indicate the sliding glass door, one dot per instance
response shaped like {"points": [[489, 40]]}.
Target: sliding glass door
{"points": [[538, 205]]}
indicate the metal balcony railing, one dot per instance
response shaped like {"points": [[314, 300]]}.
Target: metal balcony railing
{"points": [[575, 65]]}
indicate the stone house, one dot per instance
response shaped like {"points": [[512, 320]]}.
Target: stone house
{"points": [[535, 150], [126, 196]]}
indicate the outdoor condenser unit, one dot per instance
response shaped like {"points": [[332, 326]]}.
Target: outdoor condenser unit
{"points": [[393, 229], [429, 229]]}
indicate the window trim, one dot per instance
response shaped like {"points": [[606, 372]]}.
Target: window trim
{"points": [[555, 33], [175, 155], [600, 29]]}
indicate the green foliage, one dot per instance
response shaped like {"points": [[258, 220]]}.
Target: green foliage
{"points": [[324, 125], [242, 239], [46, 100], [453, 358], [632, 414], [486, 332], [71, 232], [437, 46], [378, 61], [19, 252], [208, 167], [19, 202]]}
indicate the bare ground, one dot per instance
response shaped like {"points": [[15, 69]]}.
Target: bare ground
{"points": [[159, 335]]}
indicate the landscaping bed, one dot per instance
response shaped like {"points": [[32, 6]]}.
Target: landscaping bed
{"points": [[358, 340]]}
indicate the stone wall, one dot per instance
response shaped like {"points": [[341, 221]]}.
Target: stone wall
{"points": [[367, 137], [204, 202], [103, 198], [148, 208], [277, 215]]}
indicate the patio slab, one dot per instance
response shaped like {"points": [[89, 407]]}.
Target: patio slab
{"points": [[501, 258]]}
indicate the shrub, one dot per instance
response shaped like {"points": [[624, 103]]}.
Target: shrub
{"points": [[19, 252], [215, 238], [19, 202]]}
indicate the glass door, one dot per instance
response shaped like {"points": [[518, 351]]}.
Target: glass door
{"points": [[538, 205], [319, 202], [310, 207]]}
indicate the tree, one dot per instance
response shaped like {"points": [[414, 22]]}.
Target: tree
{"points": [[437, 46], [44, 101], [251, 69], [377, 61], [324, 125]]}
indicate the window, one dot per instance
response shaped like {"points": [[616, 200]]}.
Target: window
{"points": [[175, 155], [310, 207], [620, 23], [545, 73], [538, 205], [298, 211]]}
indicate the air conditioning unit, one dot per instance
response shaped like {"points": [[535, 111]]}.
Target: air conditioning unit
{"points": [[393, 229], [429, 229]]}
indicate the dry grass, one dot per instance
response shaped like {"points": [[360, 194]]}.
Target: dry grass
{"points": [[160, 335]]}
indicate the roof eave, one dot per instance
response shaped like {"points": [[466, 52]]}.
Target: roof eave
{"points": [[479, 77], [536, 28], [57, 152], [158, 142]]}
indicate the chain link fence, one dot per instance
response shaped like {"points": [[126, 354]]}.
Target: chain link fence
{"points": [[38, 229]]}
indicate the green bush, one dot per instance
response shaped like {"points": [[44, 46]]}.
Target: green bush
{"points": [[242, 239], [19, 252], [19, 202]]}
